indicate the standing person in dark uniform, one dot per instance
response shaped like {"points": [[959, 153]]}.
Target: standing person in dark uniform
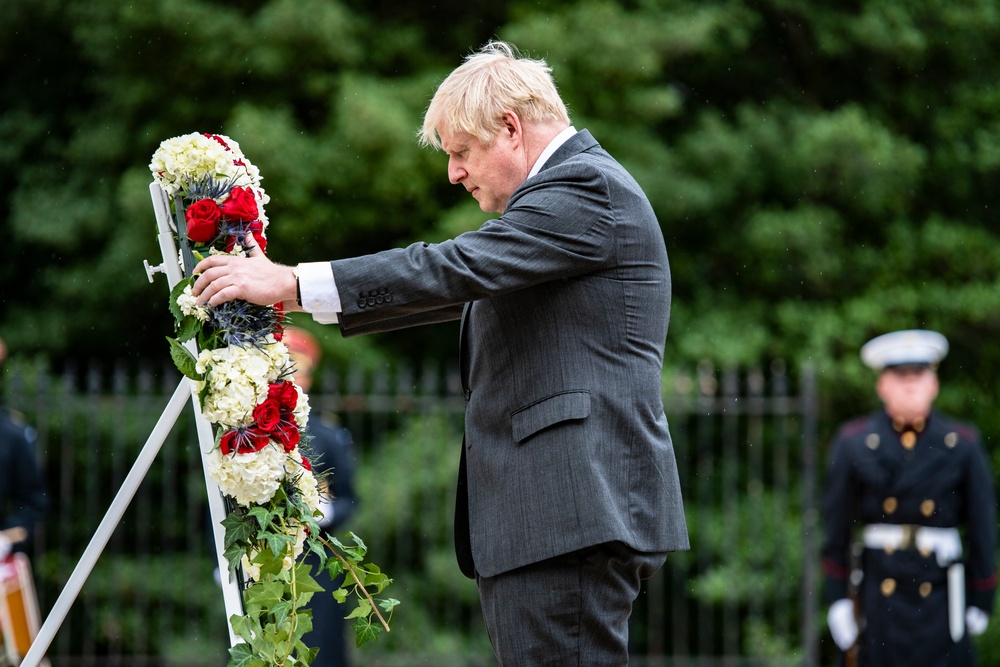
{"points": [[903, 482], [22, 489], [332, 456]]}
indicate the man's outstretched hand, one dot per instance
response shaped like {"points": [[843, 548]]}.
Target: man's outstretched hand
{"points": [[256, 279]]}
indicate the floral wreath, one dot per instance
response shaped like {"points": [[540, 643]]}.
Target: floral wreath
{"points": [[243, 377]]}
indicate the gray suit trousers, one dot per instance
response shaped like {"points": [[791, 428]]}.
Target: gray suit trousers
{"points": [[568, 610]]}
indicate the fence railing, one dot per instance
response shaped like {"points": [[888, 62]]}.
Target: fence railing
{"points": [[744, 594]]}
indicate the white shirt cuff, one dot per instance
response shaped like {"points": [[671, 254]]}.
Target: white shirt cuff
{"points": [[320, 297]]}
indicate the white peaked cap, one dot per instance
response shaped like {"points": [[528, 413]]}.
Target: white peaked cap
{"points": [[912, 346]]}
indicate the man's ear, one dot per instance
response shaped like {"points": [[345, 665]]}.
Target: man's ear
{"points": [[512, 127]]}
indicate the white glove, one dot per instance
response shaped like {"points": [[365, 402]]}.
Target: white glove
{"points": [[976, 621], [944, 542], [843, 627], [5, 546]]}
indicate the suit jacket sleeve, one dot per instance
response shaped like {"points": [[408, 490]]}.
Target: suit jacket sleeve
{"points": [[557, 225]]}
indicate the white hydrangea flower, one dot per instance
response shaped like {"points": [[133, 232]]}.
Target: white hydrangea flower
{"points": [[251, 479], [238, 380], [183, 160], [302, 409], [251, 570], [188, 304], [277, 352], [305, 480]]}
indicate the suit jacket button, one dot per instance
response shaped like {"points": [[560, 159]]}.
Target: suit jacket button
{"points": [[362, 303], [371, 301], [379, 299], [388, 298]]}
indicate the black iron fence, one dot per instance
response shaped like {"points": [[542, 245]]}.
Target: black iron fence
{"points": [[744, 595]]}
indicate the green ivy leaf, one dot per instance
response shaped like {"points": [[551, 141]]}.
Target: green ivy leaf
{"points": [[239, 529], [234, 556], [365, 631], [242, 655], [305, 654], [263, 515], [277, 542], [334, 567], [264, 594], [282, 611], [275, 635], [303, 624], [304, 583], [388, 604], [188, 328], [178, 289], [363, 610], [183, 359], [242, 626], [357, 550], [269, 563]]}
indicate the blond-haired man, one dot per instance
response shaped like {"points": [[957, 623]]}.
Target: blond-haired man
{"points": [[568, 492]]}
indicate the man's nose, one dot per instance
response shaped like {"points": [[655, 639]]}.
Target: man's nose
{"points": [[456, 174]]}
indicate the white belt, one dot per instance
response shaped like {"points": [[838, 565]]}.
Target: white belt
{"points": [[944, 542]]}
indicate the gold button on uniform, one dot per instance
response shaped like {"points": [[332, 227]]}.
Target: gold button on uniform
{"points": [[889, 505], [888, 587], [925, 589], [927, 507], [909, 439]]}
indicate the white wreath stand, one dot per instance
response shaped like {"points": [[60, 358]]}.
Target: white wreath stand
{"points": [[184, 393]]}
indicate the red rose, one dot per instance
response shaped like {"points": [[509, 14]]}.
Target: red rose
{"points": [[227, 444], [267, 414], [306, 464], [261, 241], [242, 441], [285, 393], [287, 434], [240, 205], [255, 441], [202, 220]]}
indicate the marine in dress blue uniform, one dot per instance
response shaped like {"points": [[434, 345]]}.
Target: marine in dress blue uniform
{"points": [[913, 489]]}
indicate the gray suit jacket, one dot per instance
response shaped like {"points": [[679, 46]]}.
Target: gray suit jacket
{"points": [[565, 300]]}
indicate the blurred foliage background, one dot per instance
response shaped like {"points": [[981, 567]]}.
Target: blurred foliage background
{"points": [[823, 171]]}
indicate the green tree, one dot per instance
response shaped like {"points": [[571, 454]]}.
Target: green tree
{"points": [[823, 171]]}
